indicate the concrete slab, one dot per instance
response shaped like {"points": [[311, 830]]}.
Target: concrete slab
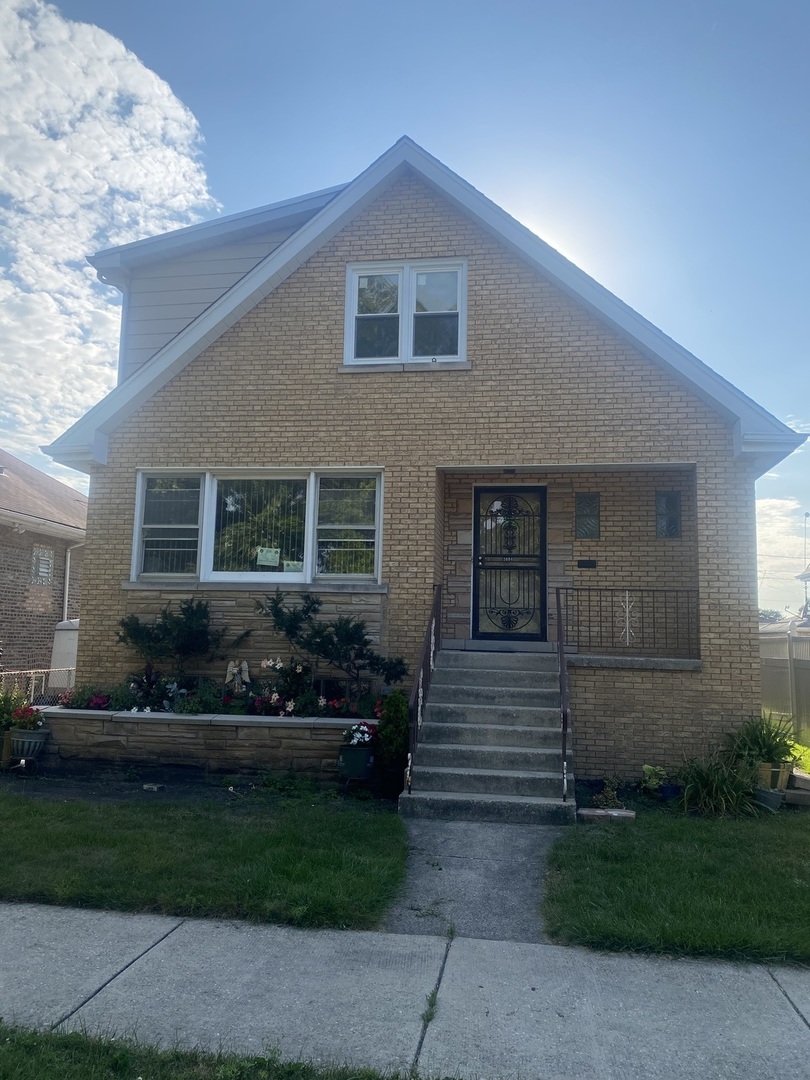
{"points": [[483, 879], [550, 1013], [321, 996], [52, 959], [795, 983]]}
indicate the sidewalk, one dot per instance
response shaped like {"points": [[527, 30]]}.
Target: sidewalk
{"points": [[504, 1009]]}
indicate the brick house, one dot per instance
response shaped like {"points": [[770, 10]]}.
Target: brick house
{"points": [[42, 530], [392, 384]]}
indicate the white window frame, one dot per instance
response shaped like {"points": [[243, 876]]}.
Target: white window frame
{"points": [[205, 547], [406, 272]]}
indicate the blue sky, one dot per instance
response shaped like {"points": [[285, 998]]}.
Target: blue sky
{"points": [[663, 147]]}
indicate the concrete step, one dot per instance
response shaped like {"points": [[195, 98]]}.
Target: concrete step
{"points": [[513, 678], [797, 797], [500, 661], [487, 645], [453, 694], [488, 781], [513, 715], [482, 756], [799, 780], [489, 735], [514, 809]]}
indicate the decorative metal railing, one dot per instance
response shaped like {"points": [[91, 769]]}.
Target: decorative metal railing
{"points": [[39, 686], [631, 622], [421, 683], [564, 706]]}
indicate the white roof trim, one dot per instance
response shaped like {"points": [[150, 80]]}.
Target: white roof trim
{"points": [[758, 432]]}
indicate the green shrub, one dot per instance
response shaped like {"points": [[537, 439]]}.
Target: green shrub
{"points": [[394, 729], [180, 636], [762, 740], [718, 785]]}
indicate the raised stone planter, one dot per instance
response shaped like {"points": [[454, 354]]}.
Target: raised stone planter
{"points": [[219, 742]]}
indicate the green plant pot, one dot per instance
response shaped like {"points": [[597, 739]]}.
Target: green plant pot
{"points": [[27, 744], [356, 762]]}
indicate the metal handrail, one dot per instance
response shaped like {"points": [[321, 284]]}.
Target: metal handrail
{"points": [[563, 693], [421, 684]]}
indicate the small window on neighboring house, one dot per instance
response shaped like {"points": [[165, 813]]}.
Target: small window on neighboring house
{"points": [[587, 516], [668, 514], [42, 565]]}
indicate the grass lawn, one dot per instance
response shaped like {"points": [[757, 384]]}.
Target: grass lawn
{"points": [[316, 860], [27, 1055], [668, 883]]}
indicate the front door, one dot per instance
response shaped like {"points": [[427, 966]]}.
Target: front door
{"points": [[509, 564]]}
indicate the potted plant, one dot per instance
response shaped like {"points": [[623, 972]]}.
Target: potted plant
{"points": [[356, 757], [767, 744], [28, 736]]}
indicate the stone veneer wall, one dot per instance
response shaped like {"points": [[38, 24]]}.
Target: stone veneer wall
{"points": [[217, 743]]}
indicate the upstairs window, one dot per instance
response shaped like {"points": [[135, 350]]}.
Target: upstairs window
{"points": [[405, 312]]}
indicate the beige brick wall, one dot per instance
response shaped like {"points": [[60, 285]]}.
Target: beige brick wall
{"points": [[549, 386]]}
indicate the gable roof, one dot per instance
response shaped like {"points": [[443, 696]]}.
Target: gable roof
{"points": [[756, 432], [38, 503]]}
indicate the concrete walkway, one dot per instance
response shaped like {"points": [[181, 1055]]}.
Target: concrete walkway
{"points": [[503, 1009]]}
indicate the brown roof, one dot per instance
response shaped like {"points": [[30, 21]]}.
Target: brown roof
{"points": [[26, 490]]}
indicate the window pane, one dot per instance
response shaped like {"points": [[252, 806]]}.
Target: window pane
{"points": [[377, 294], [435, 335], [172, 500], [346, 551], [170, 535], [587, 516], [169, 551], [260, 525], [668, 514], [347, 500], [437, 291], [376, 336], [347, 507]]}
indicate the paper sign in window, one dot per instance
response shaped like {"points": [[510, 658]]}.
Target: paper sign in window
{"points": [[268, 556]]}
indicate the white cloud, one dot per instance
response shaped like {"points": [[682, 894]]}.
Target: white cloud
{"points": [[780, 542], [96, 151]]}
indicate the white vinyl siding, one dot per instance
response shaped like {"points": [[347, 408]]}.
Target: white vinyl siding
{"points": [[164, 298]]}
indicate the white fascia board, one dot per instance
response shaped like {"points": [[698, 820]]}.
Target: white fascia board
{"points": [[772, 436]]}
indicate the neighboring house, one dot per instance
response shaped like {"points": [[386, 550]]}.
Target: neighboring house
{"points": [[42, 524], [390, 384]]}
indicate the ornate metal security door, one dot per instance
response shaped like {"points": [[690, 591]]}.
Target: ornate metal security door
{"points": [[509, 564]]}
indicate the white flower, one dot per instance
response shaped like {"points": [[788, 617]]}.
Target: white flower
{"points": [[321, 702], [147, 709], [290, 706], [279, 664], [273, 698], [266, 663], [298, 669], [135, 709]]}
